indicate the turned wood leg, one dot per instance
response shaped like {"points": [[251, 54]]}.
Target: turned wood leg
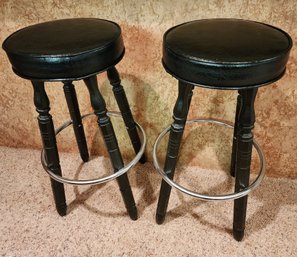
{"points": [[235, 131], [180, 113], [107, 130], [48, 137], [123, 104], [246, 122], [75, 115]]}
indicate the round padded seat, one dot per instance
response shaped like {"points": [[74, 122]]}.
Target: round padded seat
{"points": [[226, 53], [65, 49]]}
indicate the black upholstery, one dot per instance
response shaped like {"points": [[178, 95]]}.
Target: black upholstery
{"points": [[226, 53], [65, 49]]}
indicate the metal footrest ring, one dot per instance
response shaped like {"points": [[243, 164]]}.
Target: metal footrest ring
{"points": [[96, 180], [205, 197]]}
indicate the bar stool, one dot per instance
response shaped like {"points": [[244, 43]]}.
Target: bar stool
{"points": [[69, 50], [225, 54]]}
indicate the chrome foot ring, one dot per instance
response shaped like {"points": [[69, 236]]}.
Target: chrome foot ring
{"points": [[96, 180], [205, 197]]}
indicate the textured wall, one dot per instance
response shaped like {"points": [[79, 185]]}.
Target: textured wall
{"points": [[150, 90]]}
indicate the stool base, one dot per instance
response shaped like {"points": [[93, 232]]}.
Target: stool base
{"points": [[205, 197], [95, 181], [239, 194], [131, 209]]}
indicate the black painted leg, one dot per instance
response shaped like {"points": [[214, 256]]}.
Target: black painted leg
{"points": [[106, 127], [180, 113], [123, 104], [246, 122], [234, 145], [49, 143], [75, 115]]}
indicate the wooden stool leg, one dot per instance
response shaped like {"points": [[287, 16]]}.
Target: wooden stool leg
{"points": [[180, 113], [48, 136], [246, 122], [75, 115], [123, 104], [234, 145], [106, 127]]}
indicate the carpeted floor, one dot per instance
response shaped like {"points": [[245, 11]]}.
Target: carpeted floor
{"points": [[97, 224]]}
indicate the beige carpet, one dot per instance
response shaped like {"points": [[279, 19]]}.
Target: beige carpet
{"points": [[97, 224]]}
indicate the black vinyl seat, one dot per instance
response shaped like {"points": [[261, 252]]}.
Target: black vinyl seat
{"points": [[220, 54], [65, 49], [226, 53], [68, 50]]}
